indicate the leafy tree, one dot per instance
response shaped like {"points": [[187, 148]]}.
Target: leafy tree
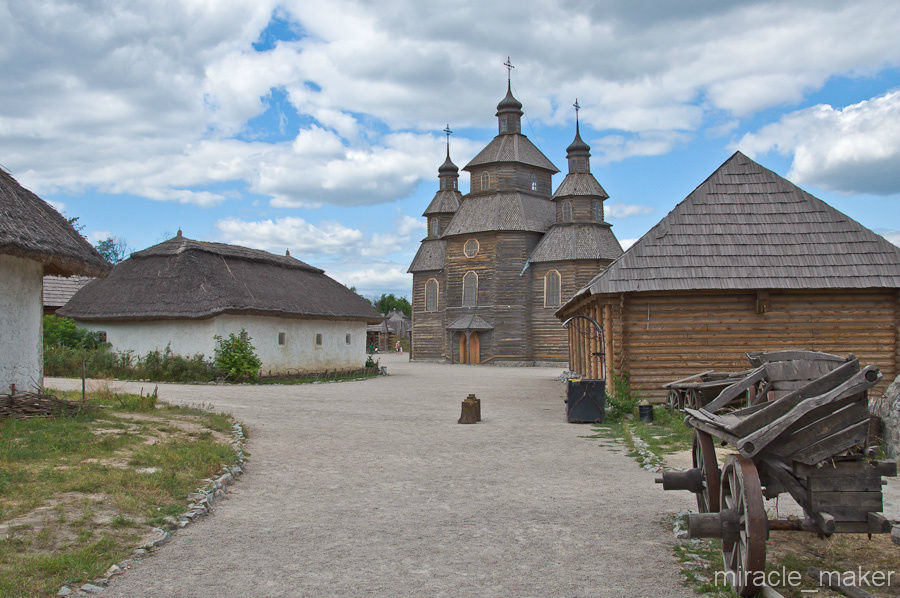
{"points": [[73, 222], [236, 358], [113, 249], [62, 332], [389, 301]]}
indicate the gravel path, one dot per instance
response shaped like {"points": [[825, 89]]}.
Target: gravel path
{"points": [[372, 488]]}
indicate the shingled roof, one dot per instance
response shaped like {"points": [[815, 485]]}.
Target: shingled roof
{"points": [[577, 241], [31, 229], [745, 227], [446, 201], [183, 278], [513, 147], [502, 211], [580, 183], [430, 256], [59, 289]]}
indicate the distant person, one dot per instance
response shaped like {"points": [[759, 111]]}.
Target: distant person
{"points": [[398, 348]]}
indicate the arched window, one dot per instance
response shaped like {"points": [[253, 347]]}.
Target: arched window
{"points": [[470, 289], [485, 181], [567, 211], [433, 226], [533, 182], [551, 289], [598, 210], [431, 295]]}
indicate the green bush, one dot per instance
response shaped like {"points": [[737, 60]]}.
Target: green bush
{"points": [[60, 331], [621, 400], [236, 358], [101, 362]]}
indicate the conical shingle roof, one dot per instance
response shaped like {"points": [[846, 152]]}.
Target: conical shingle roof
{"points": [[746, 227]]}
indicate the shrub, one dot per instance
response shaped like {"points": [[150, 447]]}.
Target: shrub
{"points": [[101, 362], [621, 400], [60, 331], [236, 358]]}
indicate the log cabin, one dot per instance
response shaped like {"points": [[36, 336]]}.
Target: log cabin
{"points": [[747, 262], [497, 261]]}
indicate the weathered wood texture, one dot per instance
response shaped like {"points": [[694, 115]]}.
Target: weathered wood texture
{"points": [[511, 176], [428, 326], [661, 337]]}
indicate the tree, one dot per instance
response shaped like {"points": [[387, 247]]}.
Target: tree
{"points": [[389, 301], [113, 249]]}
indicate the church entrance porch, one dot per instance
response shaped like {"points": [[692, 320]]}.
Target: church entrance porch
{"points": [[471, 332], [469, 348]]}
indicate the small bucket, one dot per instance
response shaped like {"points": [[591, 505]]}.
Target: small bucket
{"points": [[645, 412]]}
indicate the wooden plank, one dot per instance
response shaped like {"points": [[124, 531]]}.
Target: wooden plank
{"points": [[834, 444], [819, 424], [735, 390], [860, 482], [859, 501]]}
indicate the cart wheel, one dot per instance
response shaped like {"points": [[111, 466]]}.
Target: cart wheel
{"points": [[704, 455], [694, 398], [744, 545], [672, 400]]}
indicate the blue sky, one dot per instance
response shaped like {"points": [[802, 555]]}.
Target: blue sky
{"points": [[316, 127]]}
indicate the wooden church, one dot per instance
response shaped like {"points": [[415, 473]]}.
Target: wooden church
{"points": [[498, 262]]}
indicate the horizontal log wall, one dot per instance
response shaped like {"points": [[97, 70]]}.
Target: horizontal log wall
{"points": [[658, 338], [428, 327]]}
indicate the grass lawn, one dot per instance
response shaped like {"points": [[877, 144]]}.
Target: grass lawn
{"points": [[77, 493]]}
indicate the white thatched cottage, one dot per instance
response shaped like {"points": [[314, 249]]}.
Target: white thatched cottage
{"points": [[34, 240], [182, 293]]}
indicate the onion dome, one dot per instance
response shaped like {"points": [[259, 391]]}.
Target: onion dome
{"points": [[509, 103], [448, 167], [578, 146]]}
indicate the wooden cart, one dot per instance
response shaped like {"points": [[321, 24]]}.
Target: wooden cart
{"points": [[804, 431], [697, 390]]}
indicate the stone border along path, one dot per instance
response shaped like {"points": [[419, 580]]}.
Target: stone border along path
{"points": [[202, 503], [372, 488]]}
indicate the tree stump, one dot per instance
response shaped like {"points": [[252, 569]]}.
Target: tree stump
{"points": [[471, 410]]}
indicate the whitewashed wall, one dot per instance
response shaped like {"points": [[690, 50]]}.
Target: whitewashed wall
{"points": [[21, 309], [299, 353]]}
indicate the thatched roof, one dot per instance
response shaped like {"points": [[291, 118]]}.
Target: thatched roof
{"points": [[745, 227], [398, 322], [59, 289], [430, 256], [31, 229], [513, 147], [183, 278], [577, 241], [502, 211]]}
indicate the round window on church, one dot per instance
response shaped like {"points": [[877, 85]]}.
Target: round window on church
{"points": [[471, 248]]}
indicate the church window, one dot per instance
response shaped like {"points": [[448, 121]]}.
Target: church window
{"points": [[453, 183], [567, 211], [433, 227], [597, 208], [470, 290], [431, 295], [470, 249], [485, 180], [551, 289], [533, 182]]}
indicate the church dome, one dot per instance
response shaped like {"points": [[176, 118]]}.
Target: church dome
{"points": [[578, 146], [509, 103], [448, 167]]}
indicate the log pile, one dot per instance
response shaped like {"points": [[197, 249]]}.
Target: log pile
{"points": [[24, 405]]}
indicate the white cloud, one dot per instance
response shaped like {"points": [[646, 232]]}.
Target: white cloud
{"points": [[311, 242], [96, 236], [891, 235], [138, 98], [852, 150], [618, 210], [626, 243], [375, 279], [56, 205]]}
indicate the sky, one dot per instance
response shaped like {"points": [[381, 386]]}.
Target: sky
{"points": [[317, 126]]}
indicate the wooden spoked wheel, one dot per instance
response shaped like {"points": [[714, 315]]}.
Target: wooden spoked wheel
{"points": [[747, 528], [672, 401], [704, 457], [694, 398]]}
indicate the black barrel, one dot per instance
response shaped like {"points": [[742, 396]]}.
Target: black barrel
{"points": [[645, 413], [585, 401]]}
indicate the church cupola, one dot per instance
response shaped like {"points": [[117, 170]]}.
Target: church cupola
{"points": [[509, 110], [448, 173], [578, 153]]}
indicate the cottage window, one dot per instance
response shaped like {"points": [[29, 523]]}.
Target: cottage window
{"points": [[433, 227], [282, 337], [431, 295], [551, 289], [319, 339], [347, 338], [567, 211], [533, 182], [485, 181], [470, 249], [470, 290]]}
